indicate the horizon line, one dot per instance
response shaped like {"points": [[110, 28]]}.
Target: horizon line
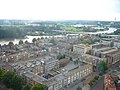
{"points": [[59, 20]]}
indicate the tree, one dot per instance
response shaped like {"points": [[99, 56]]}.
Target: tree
{"points": [[1, 74], [7, 78], [87, 41], [12, 80], [102, 67], [79, 88], [91, 83], [34, 40], [10, 89], [26, 87], [42, 38], [26, 42], [53, 41], [16, 82], [20, 42], [45, 37], [38, 39], [38, 87], [10, 44], [96, 77]]}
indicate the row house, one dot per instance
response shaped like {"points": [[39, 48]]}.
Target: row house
{"points": [[91, 59], [38, 53], [81, 48], [113, 57], [66, 78], [61, 80], [15, 57], [6, 67]]}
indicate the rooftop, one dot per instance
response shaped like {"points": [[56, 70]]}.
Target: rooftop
{"points": [[104, 49], [109, 83], [80, 46], [109, 51], [70, 66]]}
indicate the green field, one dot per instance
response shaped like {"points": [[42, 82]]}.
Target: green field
{"points": [[72, 28]]}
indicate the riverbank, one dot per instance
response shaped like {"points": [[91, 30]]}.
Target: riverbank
{"points": [[27, 38], [30, 38]]}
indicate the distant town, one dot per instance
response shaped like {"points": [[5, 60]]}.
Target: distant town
{"points": [[59, 55]]}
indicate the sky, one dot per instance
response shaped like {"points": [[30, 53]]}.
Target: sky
{"points": [[60, 9]]}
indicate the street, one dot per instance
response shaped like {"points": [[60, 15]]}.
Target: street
{"points": [[99, 85]]}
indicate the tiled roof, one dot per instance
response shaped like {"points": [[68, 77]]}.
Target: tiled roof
{"points": [[109, 83]]}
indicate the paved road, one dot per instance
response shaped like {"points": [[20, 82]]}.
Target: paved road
{"points": [[99, 85]]}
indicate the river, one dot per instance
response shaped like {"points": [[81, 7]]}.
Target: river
{"points": [[30, 38], [111, 30]]}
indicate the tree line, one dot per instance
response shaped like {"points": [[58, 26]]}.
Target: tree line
{"points": [[21, 31], [12, 32]]}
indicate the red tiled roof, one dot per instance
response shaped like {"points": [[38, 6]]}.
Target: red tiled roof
{"points": [[109, 83], [110, 86]]}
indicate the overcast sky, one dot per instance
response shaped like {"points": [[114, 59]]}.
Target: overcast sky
{"points": [[60, 9]]}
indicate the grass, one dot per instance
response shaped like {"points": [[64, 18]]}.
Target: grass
{"points": [[72, 28]]}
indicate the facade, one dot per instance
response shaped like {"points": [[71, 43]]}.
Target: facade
{"points": [[91, 59], [62, 79], [112, 55], [107, 42], [114, 42], [112, 58], [80, 49], [15, 57]]}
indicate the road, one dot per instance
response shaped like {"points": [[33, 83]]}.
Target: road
{"points": [[99, 85]]}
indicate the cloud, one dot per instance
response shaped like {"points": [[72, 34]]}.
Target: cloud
{"points": [[59, 9], [117, 6]]}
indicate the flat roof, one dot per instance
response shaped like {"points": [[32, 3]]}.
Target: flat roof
{"points": [[70, 66], [80, 45], [104, 49], [109, 51]]}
